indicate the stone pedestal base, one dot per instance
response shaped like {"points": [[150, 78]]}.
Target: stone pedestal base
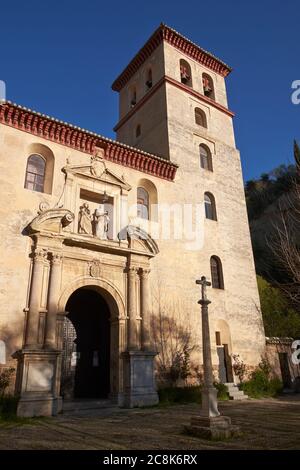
{"points": [[38, 406], [139, 382], [37, 382], [218, 427], [210, 402]]}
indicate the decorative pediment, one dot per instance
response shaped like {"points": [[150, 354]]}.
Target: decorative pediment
{"points": [[51, 221], [97, 170]]}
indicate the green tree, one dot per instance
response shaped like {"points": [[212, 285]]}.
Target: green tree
{"points": [[278, 317]]}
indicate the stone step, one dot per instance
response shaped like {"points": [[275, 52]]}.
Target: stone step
{"points": [[234, 392], [238, 397], [78, 405]]}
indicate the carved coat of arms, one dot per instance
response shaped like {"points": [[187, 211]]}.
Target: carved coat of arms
{"points": [[95, 268], [97, 166]]}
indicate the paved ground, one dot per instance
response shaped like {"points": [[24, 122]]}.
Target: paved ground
{"points": [[267, 424]]}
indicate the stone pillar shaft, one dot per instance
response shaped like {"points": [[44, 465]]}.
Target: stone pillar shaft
{"points": [[132, 313], [145, 309], [206, 346], [209, 393], [53, 296], [33, 318]]}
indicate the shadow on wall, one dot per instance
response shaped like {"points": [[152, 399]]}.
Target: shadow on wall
{"points": [[174, 340], [175, 345], [10, 341]]}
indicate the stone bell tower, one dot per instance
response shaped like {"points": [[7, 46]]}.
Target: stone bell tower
{"points": [[172, 96], [173, 103]]}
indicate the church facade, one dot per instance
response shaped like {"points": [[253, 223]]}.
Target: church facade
{"points": [[102, 240]]}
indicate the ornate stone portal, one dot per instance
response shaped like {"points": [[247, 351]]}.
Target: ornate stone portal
{"points": [[67, 256]]}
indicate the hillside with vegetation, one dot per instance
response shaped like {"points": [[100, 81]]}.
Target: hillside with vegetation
{"points": [[273, 204]]}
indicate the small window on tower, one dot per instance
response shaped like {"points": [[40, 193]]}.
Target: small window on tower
{"points": [[149, 79], [210, 206], [200, 117], [185, 73], [208, 86], [205, 157], [217, 281], [133, 97], [138, 130]]}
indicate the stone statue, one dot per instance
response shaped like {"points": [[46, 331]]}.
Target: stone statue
{"points": [[85, 219], [101, 220]]}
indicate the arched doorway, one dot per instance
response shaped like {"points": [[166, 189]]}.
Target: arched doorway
{"points": [[86, 348]]}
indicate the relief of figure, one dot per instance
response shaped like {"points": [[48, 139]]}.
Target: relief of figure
{"points": [[85, 220], [101, 220]]}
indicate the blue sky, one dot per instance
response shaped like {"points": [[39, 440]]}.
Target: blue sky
{"points": [[61, 57]]}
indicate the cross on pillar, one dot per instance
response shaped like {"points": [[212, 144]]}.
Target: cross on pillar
{"points": [[209, 424], [204, 283], [209, 393]]}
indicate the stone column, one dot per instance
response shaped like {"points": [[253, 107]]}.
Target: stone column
{"points": [[209, 424], [209, 394], [145, 309], [139, 381], [206, 346], [32, 327], [53, 295], [132, 313]]}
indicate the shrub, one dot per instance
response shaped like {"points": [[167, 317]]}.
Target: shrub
{"points": [[172, 395], [8, 407], [239, 367], [222, 391], [189, 394], [5, 378], [260, 384]]}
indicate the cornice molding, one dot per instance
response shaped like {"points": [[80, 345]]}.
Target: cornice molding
{"points": [[82, 140], [165, 33]]}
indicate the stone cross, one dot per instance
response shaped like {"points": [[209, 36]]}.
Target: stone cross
{"points": [[204, 283], [209, 423]]}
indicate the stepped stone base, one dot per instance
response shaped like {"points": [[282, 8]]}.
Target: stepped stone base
{"points": [[218, 427]]}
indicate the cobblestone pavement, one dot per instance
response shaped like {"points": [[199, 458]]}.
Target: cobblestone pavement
{"points": [[266, 424]]}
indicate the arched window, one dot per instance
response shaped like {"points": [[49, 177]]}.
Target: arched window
{"points": [[216, 273], [200, 117], [138, 130], [149, 79], [210, 206], [35, 173], [142, 203], [208, 86], [185, 73], [205, 157]]}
